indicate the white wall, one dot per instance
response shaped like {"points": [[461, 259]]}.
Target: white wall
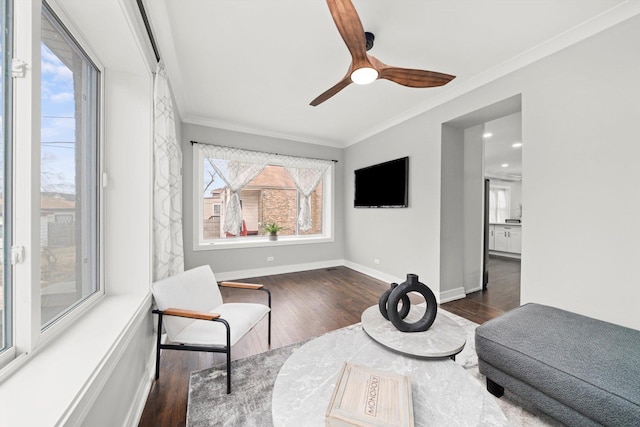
{"points": [[451, 214], [248, 262], [461, 211], [579, 108], [473, 225], [580, 164], [403, 240]]}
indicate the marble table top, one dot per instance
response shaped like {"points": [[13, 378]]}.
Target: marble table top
{"points": [[444, 394], [444, 338]]}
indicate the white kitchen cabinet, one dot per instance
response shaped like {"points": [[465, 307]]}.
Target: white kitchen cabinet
{"points": [[492, 237], [515, 240], [507, 238]]}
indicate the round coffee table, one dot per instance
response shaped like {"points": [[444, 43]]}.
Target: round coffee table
{"points": [[444, 394], [445, 338]]}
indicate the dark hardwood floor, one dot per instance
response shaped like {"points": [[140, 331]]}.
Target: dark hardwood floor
{"points": [[502, 293], [305, 305]]}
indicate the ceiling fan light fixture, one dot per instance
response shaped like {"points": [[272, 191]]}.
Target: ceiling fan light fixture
{"points": [[364, 75]]}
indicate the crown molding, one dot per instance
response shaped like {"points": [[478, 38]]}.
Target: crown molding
{"points": [[237, 127], [595, 25]]}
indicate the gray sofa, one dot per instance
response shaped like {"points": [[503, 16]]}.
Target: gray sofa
{"points": [[579, 370]]}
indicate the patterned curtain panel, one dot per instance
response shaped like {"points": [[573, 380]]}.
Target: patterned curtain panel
{"points": [[306, 174], [236, 168], [168, 255]]}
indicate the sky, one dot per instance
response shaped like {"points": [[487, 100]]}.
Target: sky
{"points": [[58, 125]]}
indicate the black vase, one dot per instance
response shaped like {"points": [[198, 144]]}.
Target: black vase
{"points": [[389, 300]]}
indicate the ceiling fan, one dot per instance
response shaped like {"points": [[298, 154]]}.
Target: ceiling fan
{"points": [[364, 68]]}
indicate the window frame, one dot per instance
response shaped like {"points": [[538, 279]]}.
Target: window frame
{"points": [[29, 334], [7, 353], [328, 213]]}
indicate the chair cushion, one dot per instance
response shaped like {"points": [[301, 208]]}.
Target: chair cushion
{"points": [[194, 289], [240, 316]]}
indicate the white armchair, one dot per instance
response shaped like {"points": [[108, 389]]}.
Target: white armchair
{"points": [[195, 318]]}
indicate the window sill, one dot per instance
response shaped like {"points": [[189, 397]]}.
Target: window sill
{"points": [[58, 374], [259, 242]]}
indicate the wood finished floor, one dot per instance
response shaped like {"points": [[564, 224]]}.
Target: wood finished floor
{"points": [[305, 305], [502, 293]]}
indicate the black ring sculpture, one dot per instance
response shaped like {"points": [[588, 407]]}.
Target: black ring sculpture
{"points": [[382, 303], [389, 300]]}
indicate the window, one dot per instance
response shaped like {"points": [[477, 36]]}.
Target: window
{"points": [[6, 299], [499, 201], [56, 203], [69, 196], [268, 193]]}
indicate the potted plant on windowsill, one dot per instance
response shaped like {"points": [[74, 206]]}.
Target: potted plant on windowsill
{"points": [[272, 229]]}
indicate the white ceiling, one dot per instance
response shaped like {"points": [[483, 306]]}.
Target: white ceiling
{"points": [[500, 135], [254, 65]]}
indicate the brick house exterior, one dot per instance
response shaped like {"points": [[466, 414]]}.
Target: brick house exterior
{"points": [[270, 197]]}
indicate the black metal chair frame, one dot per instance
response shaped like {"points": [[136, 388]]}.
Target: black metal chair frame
{"points": [[211, 348]]}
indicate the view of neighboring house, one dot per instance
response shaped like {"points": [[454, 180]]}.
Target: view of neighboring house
{"points": [[57, 218], [58, 255], [59, 252], [270, 197]]}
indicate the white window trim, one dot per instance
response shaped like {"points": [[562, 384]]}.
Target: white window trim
{"points": [[328, 212], [29, 337]]}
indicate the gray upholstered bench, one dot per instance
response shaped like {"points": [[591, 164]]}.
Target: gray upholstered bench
{"points": [[579, 370]]}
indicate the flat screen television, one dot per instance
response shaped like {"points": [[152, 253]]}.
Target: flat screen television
{"points": [[385, 185]]}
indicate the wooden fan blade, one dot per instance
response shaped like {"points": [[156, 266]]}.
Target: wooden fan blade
{"points": [[410, 77], [350, 28], [346, 81], [415, 78]]}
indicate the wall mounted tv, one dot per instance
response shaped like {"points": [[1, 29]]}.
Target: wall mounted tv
{"points": [[385, 185]]}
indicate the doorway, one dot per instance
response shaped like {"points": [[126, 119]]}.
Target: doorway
{"points": [[503, 223], [463, 222]]}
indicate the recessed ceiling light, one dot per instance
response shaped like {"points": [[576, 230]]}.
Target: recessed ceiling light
{"points": [[487, 135], [516, 144], [505, 165]]}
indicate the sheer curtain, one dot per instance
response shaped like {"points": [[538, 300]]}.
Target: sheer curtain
{"points": [[306, 175], [498, 204], [236, 168], [168, 254]]}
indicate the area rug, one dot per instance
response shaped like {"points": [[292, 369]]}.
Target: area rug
{"points": [[253, 378]]}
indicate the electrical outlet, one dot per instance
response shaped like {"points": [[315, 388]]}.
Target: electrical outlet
{"points": [[376, 261], [269, 258]]}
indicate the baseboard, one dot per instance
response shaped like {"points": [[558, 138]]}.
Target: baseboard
{"points": [[476, 289], [283, 269], [372, 273], [451, 295], [446, 296], [142, 394]]}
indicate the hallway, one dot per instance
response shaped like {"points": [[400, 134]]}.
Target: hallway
{"points": [[502, 293]]}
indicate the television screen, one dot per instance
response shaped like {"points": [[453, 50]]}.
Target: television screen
{"points": [[384, 185]]}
